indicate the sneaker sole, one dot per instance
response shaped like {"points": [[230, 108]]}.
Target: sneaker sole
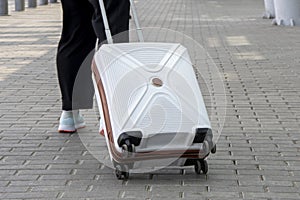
{"points": [[79, 126], [66, 129]]}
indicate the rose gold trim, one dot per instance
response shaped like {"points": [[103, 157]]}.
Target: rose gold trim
{"points": [[117, 156], [106, 116]]}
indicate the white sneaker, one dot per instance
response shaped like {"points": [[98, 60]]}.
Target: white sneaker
{"points": [[78, 119], [66, 123]]}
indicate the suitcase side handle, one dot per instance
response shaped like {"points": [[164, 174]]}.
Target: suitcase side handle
{"points": [[106, 25]]}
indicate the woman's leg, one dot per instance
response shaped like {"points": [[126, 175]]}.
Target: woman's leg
{"points": [[118, 17], [77, 41]]}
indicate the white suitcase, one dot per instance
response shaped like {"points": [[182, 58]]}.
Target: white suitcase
{"points": [[151, 107]]}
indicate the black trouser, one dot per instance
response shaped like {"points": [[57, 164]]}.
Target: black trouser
{"points": [[82, 21]]}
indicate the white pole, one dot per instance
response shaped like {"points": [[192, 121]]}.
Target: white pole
{"points": [[3, 7], [32, 3], [43, 2], [19, 5], [287, 12], [269, 9]]}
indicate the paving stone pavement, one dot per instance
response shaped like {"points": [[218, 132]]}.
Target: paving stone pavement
{"points": [[258, 150]]}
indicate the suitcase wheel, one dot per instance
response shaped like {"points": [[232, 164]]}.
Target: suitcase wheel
{"points": [[132, 148], [122, 174], [128, 150], [214, 149], [125, 150], [201, 165]]}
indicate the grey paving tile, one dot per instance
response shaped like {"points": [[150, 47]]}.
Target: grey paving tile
{"points": [[258, 149]]}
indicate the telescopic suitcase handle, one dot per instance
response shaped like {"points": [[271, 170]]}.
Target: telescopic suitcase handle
{"points": [[106, 25], [136, 21]]}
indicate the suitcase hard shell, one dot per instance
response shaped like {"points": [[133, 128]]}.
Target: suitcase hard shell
{"points": [[148, 93], [151, 107]]}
